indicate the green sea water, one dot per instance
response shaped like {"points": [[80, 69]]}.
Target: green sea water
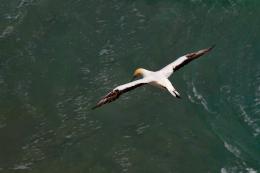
{"points": [[58, 57]]}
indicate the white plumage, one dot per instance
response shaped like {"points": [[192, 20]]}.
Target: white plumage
{"points": [[158, 78]]}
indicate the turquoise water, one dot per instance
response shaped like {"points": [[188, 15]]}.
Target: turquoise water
{"points": [[57, 58]]}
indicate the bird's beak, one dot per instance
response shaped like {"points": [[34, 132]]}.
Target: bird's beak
{"points": [[133, 78]]}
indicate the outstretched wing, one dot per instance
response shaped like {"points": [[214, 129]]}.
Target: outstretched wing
{"points": [[115, 93], [180, 62]]}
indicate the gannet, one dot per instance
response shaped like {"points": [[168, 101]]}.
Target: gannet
{"points": [[155, 78]]}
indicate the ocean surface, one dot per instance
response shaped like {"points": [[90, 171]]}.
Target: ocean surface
{"points": [[58, 57]]}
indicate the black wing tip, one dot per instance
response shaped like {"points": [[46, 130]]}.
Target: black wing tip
{"points": [[199, 53], [211, 47], [111, 96], [99, 104], [203, 51], [94, 107]]}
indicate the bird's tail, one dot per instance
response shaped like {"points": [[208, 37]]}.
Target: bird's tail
{"points": [[175, 93]]}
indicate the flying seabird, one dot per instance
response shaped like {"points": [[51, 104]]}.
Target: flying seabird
{"points": [[155, 78]]}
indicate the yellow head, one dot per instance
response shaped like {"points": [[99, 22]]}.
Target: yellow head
{"points": [[139, 72]]}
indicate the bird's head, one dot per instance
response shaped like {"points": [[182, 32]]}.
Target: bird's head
{"points": [[138, 73]]}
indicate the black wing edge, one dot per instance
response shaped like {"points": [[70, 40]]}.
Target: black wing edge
{"points": [[113, 95], [194, 55], [199, 53]]}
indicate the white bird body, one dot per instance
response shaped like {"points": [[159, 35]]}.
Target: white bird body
{"points": [[158, 78]]}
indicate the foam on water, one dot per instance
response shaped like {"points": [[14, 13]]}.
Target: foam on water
{"points": [[234, 150], [248, 114], [121, 157], [252, 123], [199, 98], [25, 166], [237, 170]]}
